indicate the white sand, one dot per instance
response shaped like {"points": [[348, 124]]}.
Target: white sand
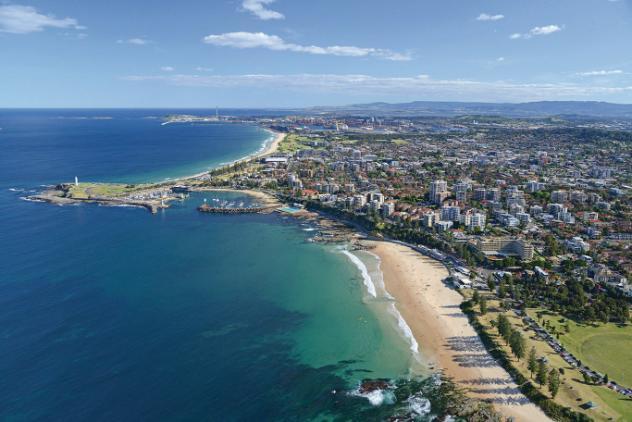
{"points": [[445, 336], [273, 146]]}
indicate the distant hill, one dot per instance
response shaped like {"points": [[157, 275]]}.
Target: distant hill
{"points": [[533, 109]]}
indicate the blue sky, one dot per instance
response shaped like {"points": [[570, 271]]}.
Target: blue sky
{"points": [[264, 53]]}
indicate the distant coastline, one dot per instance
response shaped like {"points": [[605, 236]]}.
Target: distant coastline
{"points": [[270, 146], [152, 196]]}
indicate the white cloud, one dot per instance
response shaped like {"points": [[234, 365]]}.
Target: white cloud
{"points": [[601, 73], [167, 69], [17, 19], [537, 31], [500, 59], [134, 41], [487, 17], [273, 42], [414, 87], [545, 30], [259, 9], [204, 69]]}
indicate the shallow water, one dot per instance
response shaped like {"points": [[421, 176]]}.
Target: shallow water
{"points": [[117, 314]]}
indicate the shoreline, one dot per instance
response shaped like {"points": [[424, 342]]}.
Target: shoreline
{"points": [[382, 304], [446, 339], [427, 311], [270, 146], [377, 290], [58, 194]]}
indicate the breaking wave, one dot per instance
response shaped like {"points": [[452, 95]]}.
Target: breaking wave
{"points": [[366, 278], [376, 397], [405, 328], [27, 199]]}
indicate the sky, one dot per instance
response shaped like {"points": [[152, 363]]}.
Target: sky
{"points": [[297, 53]]}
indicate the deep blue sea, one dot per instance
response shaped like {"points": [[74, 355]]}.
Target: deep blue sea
{"points": [[115, 314]]}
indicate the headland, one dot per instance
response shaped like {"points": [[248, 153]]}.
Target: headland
{"points": [[156, 196]]}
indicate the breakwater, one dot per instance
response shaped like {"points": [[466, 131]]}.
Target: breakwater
{"points": [[205, 208]]}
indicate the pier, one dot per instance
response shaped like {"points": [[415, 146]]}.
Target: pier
{"points": [[224, 210]]}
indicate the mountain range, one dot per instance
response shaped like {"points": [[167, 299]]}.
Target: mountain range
{"points": [[580, 109]]}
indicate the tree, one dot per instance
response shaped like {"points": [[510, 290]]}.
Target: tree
{"points": [[587, 378], [516, 294], [483, 305], [517, 344], [504, 327], [533, 361], [490, 283], [606, 380], [552, 246], [554, 382], [502, 290], [541, 375], [476, 296]]}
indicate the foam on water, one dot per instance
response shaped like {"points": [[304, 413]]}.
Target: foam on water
{"points": [[376, 397], [418, 404], [401, 322], [120, 289], [378, 279], [264, 145], [366, 278], [377, 276], [27, 199], [405, 328]]}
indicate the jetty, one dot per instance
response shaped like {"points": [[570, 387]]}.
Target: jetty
{"points": [[205, 208]]}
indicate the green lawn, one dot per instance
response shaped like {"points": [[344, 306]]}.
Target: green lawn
{"points": [[400, 142], [293, 143], [606, 348], [616, 401], [573, 391], [110, 190]]}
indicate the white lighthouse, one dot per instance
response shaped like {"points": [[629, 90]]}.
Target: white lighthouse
{"points": [[76, 181]]}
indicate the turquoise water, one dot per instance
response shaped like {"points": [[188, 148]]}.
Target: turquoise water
{"points": [[117, 314]]}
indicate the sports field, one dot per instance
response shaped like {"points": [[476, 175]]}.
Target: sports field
{"points": [[606, 348]]}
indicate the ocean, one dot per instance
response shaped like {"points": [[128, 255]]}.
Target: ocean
{"points": [[116, 314]]}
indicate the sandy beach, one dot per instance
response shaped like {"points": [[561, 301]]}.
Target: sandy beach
{"points": [[269, 148], [272, 146], [443, 332], [266, 199]]}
